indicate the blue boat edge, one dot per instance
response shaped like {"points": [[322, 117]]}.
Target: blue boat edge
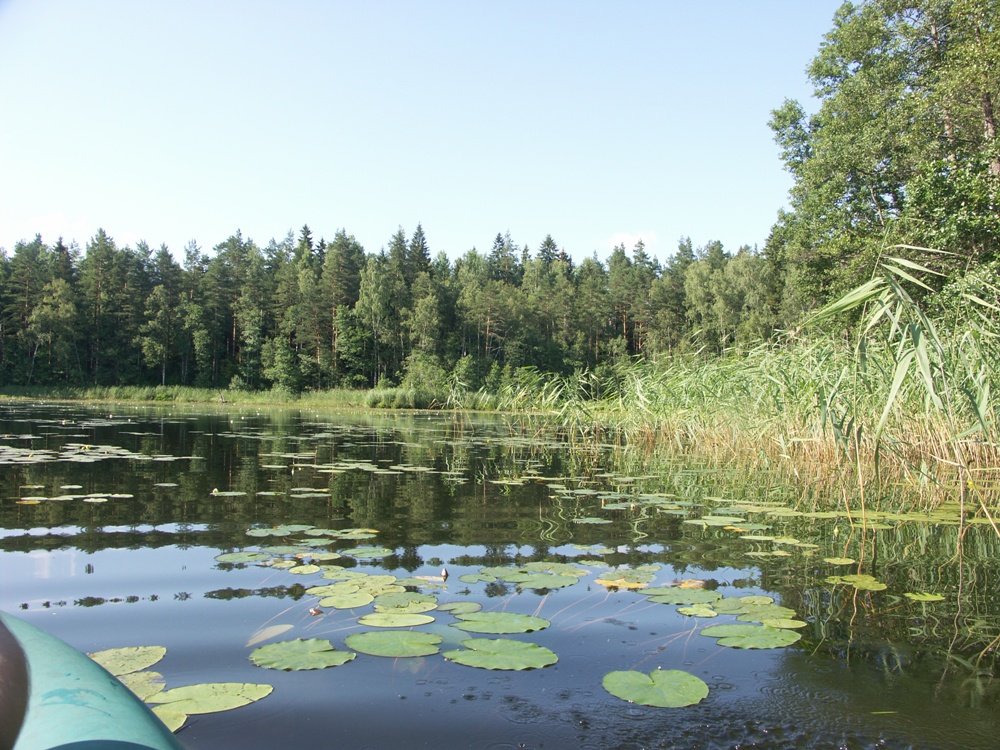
{"points": [[53, 697]]}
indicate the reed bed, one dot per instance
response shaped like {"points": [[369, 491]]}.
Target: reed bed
{"points": [[894, 415]]}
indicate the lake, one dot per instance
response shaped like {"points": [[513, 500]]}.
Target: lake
{"points": [[210, 532]]}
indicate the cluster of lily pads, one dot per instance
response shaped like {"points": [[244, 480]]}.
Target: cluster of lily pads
{"points": [[400, 604], [12, 455], [131, 665], [68, 493]]}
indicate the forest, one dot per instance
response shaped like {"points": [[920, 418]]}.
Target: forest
{"points": [[896, 156]]}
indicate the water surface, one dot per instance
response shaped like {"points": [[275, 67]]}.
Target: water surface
{"points": [[175, 488]]}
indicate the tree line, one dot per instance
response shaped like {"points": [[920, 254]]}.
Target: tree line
{"points": [[303, 314], [902, 150]]}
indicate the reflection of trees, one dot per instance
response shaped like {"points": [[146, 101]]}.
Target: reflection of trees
{"points": [[280, 453]]}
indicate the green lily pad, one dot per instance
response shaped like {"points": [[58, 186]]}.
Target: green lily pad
{"points": [[542, 580], [476, 578], [396, 644], [121, 661], [351, 600], [698, 610], [460, 608], [751, 636], [405, 603], [299, 654], [304, 570], [839, 560], [670, 688], [172, 720], [783, 622], [766, 612], [756, 600], [404, 620], [860, 581], [367, 553], [242, 557], [211, 697], [501, 653], [923, 597], [144, 684], [499, 623], [686, 596]]}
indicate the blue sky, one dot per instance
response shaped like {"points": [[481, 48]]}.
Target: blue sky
{"points": [[595, 122]]}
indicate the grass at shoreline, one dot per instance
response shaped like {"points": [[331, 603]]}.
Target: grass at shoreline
{"points": [[840, 433]]}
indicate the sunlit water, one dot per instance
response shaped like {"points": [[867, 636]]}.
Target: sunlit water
{"points": [[872, 668]]}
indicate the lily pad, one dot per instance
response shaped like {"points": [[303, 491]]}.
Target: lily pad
{"points": [[860, 581], [542, 580], [405, 603], [460, 608], [499, 622], [395, 643], [367, 553], [299, 654], [404, 620], [242, 557], [172, 720], [839, 560], [698, 610], [783, 622], [121, 661], [670, 688], [751, 636], [211, 697], [347, 600], [686, 596], [923, 597], [144, 684], [501, 653]]}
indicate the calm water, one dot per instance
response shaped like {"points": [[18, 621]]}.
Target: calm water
{"points": [[174, 489]]}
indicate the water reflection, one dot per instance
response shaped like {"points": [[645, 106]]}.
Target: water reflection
{"points": [[111, 521]]}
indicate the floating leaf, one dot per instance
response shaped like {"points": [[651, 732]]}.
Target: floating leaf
{"points": [[395, 643], [501, 653], [242, 557], [144, 684], [476, 578], [751, 636], [788, 624], [314, 653], [120, 661], [304, 570], [460, 608], [923, 597], [172, 720], [211, 697], [698, 610], [765, 612], [383, 620], [686, 596], [405, 602], [542, 580], [671, 688], [347, 600], [499, 622], [839, 560], [756, 600], [860, 581], [367, 553]]}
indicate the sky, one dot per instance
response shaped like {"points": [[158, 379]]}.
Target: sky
{"points": [[596, 122]]}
